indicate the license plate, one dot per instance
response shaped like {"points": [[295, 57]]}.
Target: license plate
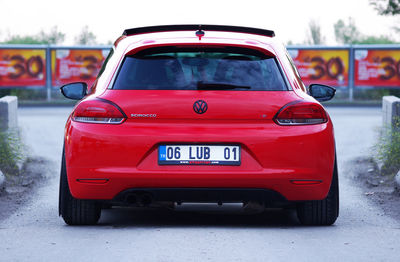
{"points": [[199, 155]]}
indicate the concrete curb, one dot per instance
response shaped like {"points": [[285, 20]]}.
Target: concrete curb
{"points": [[8, 112], [397, 179], [390, 111], [2, 180]]}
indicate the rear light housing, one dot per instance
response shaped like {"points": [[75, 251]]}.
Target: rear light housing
{"points": [[301, 113], [98, 111]]}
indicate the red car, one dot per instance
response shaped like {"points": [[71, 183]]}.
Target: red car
{"points": [[199, 113]]}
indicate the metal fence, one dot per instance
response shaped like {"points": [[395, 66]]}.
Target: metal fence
{"points": [[345, 67]]}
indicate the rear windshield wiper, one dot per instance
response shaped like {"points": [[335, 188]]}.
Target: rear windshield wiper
{"points": [[219, 86]]}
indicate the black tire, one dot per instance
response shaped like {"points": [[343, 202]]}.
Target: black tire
{"points": [[322, 212], [75, 211]]}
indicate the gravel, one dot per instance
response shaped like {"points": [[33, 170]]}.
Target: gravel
{"points": [[18, 190], [382, 190]]}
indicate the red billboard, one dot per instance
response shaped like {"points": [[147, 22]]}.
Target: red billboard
{"points": [[321, 66], [22, 67], [379, 68], [76, 65]]}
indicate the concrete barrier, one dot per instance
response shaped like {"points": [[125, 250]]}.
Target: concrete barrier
{"points": [[8, 113], [8, 120], [397, 179], [2, 180], [391, 112], [391, 119]]}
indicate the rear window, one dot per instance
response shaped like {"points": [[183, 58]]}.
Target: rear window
{"points": [[176, 68]]}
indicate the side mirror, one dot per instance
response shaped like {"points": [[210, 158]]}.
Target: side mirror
{"points": [[321, 92], [74, 91]]}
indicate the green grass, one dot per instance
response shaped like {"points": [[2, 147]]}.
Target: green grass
{"points": [[10, 152], [388, 149]]}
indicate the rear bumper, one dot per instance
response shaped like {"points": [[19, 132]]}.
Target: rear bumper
{"points": [[268, 198], [106, 186], [105, 160]]}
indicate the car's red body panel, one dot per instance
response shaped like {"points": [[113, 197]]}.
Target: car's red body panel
{"points": [[273, 156]]}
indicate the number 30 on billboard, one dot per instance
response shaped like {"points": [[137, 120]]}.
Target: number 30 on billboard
{"points": [[22, 67]]}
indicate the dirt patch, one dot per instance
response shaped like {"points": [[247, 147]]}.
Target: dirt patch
{"points": [[18, 189], [381, 189]]}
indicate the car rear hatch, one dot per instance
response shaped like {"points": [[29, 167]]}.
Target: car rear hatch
{"points": [[199, 96]]}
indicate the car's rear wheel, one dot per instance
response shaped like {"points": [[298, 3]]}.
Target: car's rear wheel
{"points": [[322, 212], [75, 211]]}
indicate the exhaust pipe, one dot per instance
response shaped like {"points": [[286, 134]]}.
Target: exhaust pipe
{"points": [[131, 198], [145, 199]]}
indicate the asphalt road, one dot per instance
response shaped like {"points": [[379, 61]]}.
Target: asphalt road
{"points": [[361, 233]]}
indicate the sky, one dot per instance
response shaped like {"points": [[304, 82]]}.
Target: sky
{"points": [[107, 19]]}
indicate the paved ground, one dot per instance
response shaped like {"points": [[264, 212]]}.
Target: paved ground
{"points": [[362, 233]]}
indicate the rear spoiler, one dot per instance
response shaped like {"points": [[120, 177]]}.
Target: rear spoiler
{"points": [[194, 27]]}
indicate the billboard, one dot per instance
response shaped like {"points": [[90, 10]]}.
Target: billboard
{"points": [[377, 66], [380, 68], [322, 66], [76, 65], [22, 67]]}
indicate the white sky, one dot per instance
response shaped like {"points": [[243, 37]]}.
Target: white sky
{"points": [[107, 19]]}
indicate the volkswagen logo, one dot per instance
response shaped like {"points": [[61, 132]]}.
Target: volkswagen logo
{"points": [[200, 107]]}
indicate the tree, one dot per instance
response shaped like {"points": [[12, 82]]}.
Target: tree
{"points": [[314, 34], [375, 40], [386, 7], [85, 37], [53, 37], [346, 33], [25, 40], [349, 34], [290, 42]]}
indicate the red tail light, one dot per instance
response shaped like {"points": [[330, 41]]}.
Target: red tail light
{"points": [[301, 113], [98, 111]]}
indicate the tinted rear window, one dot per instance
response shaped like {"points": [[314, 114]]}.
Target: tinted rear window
{"points": [[200, 68]]}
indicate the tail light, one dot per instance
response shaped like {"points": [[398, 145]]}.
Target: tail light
{"points": [[99, 111], [301, 113]]}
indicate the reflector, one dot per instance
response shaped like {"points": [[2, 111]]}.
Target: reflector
{"points": [[306, 182], [93, 180]]}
